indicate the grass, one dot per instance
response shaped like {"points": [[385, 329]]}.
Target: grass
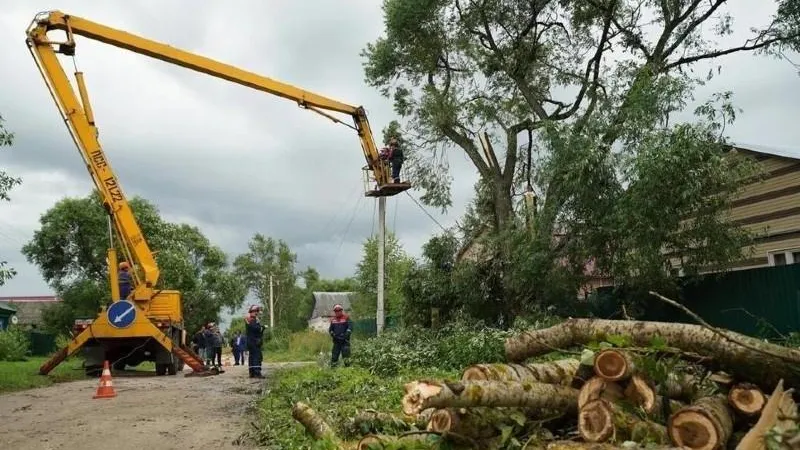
{"points": [[301, 346], [336, 394], [19, 375]]}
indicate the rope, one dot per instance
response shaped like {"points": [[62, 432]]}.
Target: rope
{"points": [[426, 212]]}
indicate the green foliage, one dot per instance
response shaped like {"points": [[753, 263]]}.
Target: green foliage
{"points": [[267, 256], [14, 344], [237, 325], [70, 249], [303, 345], [453, 347], [18, 375], [397, 266], [336, 394], [7, 182]]}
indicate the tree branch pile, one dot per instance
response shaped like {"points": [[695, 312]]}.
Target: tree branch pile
{"points": [[659, 385]]}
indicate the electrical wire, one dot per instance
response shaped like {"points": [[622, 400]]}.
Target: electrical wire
{"points": [[426, 212]]}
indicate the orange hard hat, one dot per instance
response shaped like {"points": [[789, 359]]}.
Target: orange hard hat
{"points": [[124, 265]]}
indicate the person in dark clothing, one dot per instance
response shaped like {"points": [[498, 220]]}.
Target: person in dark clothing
{"points": [[395, 158], [237, 348], [255, 335], [340, 329], [198, 343], [124, 279], [218, 342], [208, 338]]}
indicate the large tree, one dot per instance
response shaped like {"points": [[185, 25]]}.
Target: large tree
{"points": [[70, 250], [267, 256], [511, 67], [7, 182]]}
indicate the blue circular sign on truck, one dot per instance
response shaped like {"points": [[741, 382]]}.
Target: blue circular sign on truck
{"points": [[121, 314]]}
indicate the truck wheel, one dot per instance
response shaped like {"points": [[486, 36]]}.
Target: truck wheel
{"points": [[172, 369], [161, 369]]}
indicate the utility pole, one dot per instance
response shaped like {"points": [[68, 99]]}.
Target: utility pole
{"points": [[271, 306], [380, 319]]}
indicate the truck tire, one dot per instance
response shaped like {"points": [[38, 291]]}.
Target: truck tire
{"points": [[161, 369], [172, 369]]}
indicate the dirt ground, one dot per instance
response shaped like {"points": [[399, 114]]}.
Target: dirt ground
{"points": [[149, 412]]}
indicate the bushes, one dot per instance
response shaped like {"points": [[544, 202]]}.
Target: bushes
{"points": [[14, 344], [451, 348], [455, 346]]}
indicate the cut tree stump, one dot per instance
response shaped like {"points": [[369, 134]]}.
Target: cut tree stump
{"points": [[746, 399], [597, 388], [574, 445], [742, 360], [603, 421], [707, 424], [549, 398], [313, 422], [475, 423], [613, 365], [554, 372]]}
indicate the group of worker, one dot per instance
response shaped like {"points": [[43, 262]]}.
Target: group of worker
{"points": [[207, 342]]}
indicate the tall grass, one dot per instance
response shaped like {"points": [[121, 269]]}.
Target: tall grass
{"points": [[303, 345]]}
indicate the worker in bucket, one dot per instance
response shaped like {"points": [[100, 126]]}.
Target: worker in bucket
{"points": [[124, 279], [394, 155], [254, 337], [340, 329]]}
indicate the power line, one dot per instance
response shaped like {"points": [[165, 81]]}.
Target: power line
{"points": [[426, 212]]}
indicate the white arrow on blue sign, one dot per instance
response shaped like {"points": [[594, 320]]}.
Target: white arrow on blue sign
{"points": [[121, 314]]}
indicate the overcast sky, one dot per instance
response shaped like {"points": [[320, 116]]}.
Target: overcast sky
{"points": [[234, 161]]}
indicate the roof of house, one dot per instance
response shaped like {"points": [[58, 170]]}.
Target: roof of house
{"points": [[324, 301], [29, 309], [782, 152], [7, 307]]}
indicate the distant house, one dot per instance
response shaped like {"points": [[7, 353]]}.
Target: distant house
{"points": [[323, 308], [6, 313], [29, 309]]}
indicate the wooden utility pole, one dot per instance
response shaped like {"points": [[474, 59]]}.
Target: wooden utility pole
{"points": [[271, 305], [380, 318]]}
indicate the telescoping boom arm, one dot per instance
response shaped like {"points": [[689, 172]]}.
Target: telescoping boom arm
{"points": [[77, 113]]}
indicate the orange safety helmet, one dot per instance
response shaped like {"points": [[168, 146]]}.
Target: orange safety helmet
{"points": [[124, 265]]}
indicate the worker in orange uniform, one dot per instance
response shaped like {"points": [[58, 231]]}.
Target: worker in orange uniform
{"points": [[124, 278]]}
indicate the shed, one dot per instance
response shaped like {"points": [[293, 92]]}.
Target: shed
{"points": [[323, 308], [6, 312]]}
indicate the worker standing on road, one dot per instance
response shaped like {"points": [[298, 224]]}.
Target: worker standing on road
{"points": [[199, 343], [124, 279], [218, 342], [237, 348], [208, 338], [255, 337], [340, 329]]}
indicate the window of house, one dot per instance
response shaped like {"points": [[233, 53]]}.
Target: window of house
{"points": [[784, 257]]}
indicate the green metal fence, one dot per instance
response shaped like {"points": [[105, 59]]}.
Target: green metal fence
{"points": [[761, 302], [42, 344], [368, 327]]}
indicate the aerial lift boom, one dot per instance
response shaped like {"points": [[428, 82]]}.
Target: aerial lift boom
{"points": [[157, 312]]}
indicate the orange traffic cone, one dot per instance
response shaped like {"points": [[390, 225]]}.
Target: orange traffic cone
{"points": [[106, 388]]}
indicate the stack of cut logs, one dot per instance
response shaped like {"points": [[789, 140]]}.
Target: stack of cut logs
{"points": [[610, 398]]}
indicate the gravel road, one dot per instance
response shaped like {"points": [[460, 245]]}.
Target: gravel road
{"points": [[148, 413]]}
